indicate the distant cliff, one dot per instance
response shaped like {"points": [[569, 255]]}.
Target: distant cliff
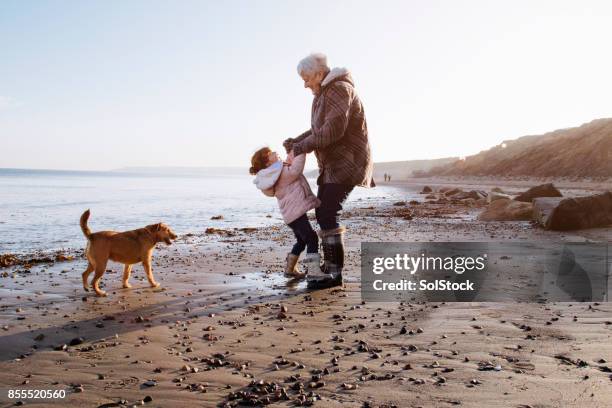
{"points": [[584, 151]]}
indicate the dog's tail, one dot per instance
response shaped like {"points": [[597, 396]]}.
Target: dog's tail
{"points": [[84, 227]]}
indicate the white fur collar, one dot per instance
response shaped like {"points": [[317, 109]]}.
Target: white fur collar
{"points": [[333, 74], [267, 178]]}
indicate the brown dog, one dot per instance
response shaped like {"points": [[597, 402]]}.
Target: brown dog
{"points": [[127, 247]]}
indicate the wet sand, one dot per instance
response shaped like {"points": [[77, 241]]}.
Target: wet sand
{"points": [[226, 329]]}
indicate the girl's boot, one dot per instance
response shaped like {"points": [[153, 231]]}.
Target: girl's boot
{"points": [[291, 270]]}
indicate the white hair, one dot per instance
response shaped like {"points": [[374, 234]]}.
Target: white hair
{"points": [[312, 64]]}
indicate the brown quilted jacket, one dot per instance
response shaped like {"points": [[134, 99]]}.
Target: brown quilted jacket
{"points": [[338, 133]]}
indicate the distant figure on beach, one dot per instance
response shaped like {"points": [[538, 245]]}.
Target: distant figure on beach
{"points": [[339, 138], [285, 181], [389, 177], [385, 177]]}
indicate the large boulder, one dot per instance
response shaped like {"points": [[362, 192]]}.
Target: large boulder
{"points": [[452, 191], [426, 190], [507, 210], [495, 195], [543, 190], [473, 194], [563, 214]]}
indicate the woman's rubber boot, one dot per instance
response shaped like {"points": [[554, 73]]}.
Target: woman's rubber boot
{"points": [[291, 270], [315, 278], [332, 242]]}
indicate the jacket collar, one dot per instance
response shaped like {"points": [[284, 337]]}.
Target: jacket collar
{"points": [[267, 178], [337, 74]]}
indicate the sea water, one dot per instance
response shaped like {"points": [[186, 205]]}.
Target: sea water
{"points": [[40, 209]]}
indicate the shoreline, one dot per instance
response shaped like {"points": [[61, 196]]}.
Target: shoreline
{"points": [[513, 184], [412, 185], [61, 254]]}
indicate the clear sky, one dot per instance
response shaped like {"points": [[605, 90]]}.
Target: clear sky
{"points": [[105, 84]]}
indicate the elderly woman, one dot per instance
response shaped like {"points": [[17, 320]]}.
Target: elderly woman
{"points": [[339, 138]]}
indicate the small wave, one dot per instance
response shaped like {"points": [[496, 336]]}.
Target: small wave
{"points": [[70, 204]]}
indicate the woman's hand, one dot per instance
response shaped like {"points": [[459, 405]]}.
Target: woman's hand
{"points": [[290, 157], [288, 144]]}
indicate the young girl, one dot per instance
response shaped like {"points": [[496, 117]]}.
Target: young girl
{"points": [[285, 181]]}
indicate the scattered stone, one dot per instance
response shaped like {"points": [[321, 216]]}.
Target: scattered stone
{"points": [[452, 192], [488, 366], [473, 194], [76, 341], [543, 190], [569, 361], [493, 196], [507, 210]]}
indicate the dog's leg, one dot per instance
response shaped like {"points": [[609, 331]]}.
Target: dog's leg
{"points": [[85, 276], [147, 267], [100, 269], [127, 269]]}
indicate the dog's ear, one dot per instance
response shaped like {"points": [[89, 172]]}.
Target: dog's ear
{"points": [[154, 227]]}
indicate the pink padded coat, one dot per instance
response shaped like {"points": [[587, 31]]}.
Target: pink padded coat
{"points": [[287, 183]]}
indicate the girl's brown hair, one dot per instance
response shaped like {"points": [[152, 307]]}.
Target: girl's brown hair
{"points": [[259, 161]]}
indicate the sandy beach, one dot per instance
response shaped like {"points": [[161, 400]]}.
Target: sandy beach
{"points": [[225, 329]]}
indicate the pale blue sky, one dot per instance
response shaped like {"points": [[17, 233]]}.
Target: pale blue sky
{"points": [[105, 84]]}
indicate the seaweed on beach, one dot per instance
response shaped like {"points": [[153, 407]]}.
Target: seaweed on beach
{"points": [[27, 260]]}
